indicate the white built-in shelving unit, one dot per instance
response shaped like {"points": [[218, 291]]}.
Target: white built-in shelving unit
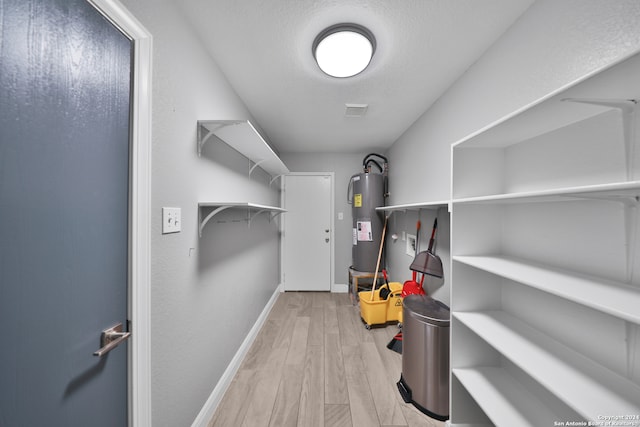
{"points": [[244, 138], [545, 287]]}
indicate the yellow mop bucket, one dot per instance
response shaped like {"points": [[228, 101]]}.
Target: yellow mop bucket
{"points": [[380, 311]]}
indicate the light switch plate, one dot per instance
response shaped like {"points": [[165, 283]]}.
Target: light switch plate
{"points": [[171, 220], [411, 245]]}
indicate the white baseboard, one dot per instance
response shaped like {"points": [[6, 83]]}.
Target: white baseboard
{"points": [[339, 288], [214, 399]]}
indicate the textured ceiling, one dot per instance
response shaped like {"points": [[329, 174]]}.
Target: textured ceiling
{"points": [[423, 46]]}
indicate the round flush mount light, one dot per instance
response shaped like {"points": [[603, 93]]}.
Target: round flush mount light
{"points": [[344, 50]]}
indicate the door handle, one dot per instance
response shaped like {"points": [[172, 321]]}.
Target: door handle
{"points": [[326, 240], [326, 230], [111, 338]]}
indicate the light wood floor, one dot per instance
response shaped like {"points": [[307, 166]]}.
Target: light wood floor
{"points": [[315, 364]]}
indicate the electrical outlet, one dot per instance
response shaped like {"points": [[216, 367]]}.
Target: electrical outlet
{"points": [[171, 220], [411, 245]]}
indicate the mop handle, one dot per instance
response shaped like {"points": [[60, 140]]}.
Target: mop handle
{"points": [[433, 234], [375, 277]]}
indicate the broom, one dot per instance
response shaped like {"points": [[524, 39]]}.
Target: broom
{"points": [[396, 343]]}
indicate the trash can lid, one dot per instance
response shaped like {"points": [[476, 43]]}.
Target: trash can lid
{"points": [[427, 309]]}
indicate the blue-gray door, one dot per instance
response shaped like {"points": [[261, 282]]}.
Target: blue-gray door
{"points": [[64, 189]]}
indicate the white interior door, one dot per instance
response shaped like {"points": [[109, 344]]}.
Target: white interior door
{"points": [[307, 232]]}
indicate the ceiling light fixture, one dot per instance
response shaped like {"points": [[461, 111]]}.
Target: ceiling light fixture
{"points": [[344, 50]]}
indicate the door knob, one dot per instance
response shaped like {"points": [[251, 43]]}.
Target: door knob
{"points": [[111, 338], [326, 240], [326, 231]]}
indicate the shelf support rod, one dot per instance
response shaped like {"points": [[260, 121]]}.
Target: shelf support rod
{"points": [[275, 215], [274, 178], [204, 138], [271, 216], [255, 165], [251, 217], [628, 109], [213, 213]]}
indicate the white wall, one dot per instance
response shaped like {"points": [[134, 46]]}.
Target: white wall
{"points": [[399, 261], [206, 293], [553, 44]]}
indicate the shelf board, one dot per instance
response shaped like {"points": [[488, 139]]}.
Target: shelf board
{"points": [[503, 399], [551, 112], [247, 206], [240, 205], [617, 87], [244, 138], [585, 386], [617, 191], [414, 206], [608, 296], [538, 120]]}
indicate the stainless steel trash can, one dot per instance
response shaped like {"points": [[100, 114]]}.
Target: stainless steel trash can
{"points": [[424, 381]]}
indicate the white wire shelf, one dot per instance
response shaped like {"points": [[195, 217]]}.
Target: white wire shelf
{"points": [[244, 138], [414, 206], [252, 210]]}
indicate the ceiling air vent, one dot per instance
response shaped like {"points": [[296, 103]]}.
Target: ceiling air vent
{"points": [[355, 110]]}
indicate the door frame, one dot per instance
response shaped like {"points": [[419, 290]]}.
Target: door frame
{"points": [[331, 175], [139, 300]]}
